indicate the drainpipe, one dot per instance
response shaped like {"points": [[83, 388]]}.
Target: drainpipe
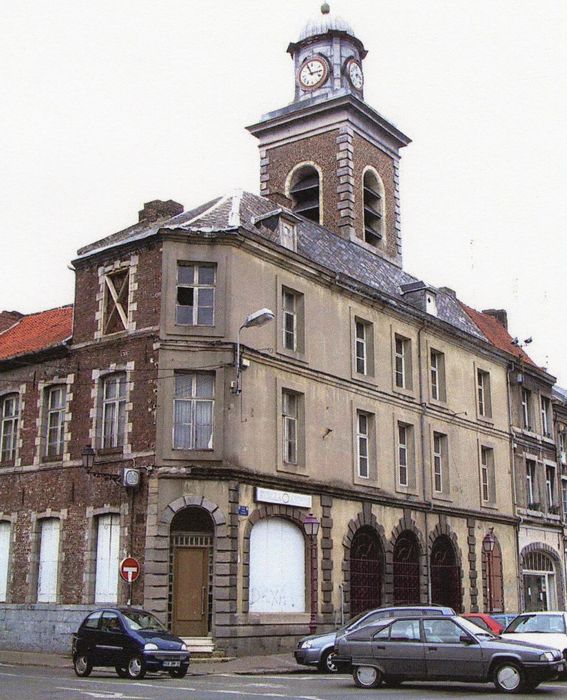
{"points": [[424, 474], [514, 492]]}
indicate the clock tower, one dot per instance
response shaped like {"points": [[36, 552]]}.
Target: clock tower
{"points": [[328, 155]]}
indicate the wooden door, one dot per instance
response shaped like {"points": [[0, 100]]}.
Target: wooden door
{"points": [[191, 591]]}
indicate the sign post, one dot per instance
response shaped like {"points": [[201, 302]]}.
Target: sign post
{"points": [[129, 572]]}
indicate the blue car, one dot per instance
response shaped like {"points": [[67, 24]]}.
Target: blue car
{"points": [[132, 641]]}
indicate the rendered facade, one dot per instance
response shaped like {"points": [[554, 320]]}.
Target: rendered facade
{"points": [[375, 401]]}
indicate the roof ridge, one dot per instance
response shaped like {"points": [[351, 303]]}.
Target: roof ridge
{"points": [[234, 216], [212, 208]]}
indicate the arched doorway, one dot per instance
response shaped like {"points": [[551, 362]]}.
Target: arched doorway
{"points": [[538, 573], [445, 574], [406, 569], [191, 572], [366, 571]]}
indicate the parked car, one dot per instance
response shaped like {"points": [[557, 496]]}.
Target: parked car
{"points": [[486, 622], [504, 618], [443, 648], [318, 649], [131, 640], [549, 628]]}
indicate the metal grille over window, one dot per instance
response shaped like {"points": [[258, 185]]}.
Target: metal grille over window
{"points": [[406, 570], [373, 208], [445, 575], [366, 571], [9, 415], [116, 306], [195, 295], [114, 411], [290, 416], [304, 193], [193, 411], [56, 399]]}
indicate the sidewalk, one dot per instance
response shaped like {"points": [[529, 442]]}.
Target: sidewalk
{"points": [[245, 665]]}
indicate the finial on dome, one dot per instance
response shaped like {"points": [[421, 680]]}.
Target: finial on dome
{"points": [[325, 8]]}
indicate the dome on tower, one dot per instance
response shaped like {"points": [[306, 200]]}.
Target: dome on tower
{"points": [[324, 23]]}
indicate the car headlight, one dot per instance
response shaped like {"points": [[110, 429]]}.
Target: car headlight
{"points": [[547, 656], [150, 646], [307, 645], [184, 647]]}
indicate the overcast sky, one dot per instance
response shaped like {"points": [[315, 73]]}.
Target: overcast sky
{"points": [[109, 104]]}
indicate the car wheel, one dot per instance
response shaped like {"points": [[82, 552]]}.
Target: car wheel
{"points": [[179, 672], [509, 678], [366, 677], [82, 664], [327, 662], [121, 671], [136, 668]]}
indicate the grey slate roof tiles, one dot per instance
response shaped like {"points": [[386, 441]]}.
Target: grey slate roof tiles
{"points": [[315, 243]]}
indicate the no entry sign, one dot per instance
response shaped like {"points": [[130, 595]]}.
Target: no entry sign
{"points": [[129, 569]]}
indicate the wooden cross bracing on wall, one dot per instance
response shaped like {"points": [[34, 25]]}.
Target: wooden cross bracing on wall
{"points": [[116, 312]]}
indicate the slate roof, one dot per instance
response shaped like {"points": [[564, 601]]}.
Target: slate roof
{"points": [[358, 266], [35, 332], [497, 334]]}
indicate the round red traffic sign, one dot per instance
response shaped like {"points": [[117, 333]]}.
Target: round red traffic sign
{"points": [[129, 569]]}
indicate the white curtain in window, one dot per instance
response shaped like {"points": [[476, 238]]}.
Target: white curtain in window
{"points": [[107, 558], [48, 560], [4, 559], [277, 567]]}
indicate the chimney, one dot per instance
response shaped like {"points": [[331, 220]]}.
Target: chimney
{"points": [[499, 314], [158, 209], [8, 319], [450, 292]]}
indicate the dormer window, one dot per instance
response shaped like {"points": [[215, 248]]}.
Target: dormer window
{"points": [[304, 192], [373, 197], [288, 235]]}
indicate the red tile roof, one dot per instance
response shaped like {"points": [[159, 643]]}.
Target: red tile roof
{"points": [[496, 334], [36, 332]]}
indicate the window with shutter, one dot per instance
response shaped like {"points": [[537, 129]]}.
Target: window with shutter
{"points": [[107, 558], [5, 529], [48, 560]]}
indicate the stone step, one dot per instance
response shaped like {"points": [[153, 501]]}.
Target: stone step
{"points": [[200, 645]]}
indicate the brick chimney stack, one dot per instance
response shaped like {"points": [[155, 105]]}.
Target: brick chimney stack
{"points": [[158, 209], [499, 314]]}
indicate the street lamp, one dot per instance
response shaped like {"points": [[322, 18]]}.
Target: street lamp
{"points": [[488, 544], [258, 318], [88, 457], [311, 527]]}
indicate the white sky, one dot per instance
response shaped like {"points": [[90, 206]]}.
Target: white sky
{"points": [[109, 104]]}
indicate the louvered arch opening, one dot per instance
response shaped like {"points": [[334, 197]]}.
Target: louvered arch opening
{"points": [[304, 192], [373, 195]]}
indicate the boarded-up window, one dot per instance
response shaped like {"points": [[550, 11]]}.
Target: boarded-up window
{"points": [[117, 290], [4, 559], [277, 567], [107, 558], [48, 560]]}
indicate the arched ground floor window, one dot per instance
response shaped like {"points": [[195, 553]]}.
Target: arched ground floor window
{"points": [[539, 581], [445, 574], [366, 571], [406, 569]]}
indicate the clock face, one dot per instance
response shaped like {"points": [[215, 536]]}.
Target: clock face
{"points": [[354, 72], [313, 73]]}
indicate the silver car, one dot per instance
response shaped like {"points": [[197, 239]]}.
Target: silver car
{"points": [[448, 648], [318, 649]]}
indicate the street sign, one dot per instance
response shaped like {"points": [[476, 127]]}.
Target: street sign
{"points": [[129, 569]]}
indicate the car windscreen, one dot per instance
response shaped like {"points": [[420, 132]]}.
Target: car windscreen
{"points": [[537, 624], [353, 622], [141, 620], [475, 629]]}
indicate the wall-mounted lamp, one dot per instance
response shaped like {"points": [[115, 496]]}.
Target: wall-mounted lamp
{"points": [[258, 318], [489, 541], [130, 477]]}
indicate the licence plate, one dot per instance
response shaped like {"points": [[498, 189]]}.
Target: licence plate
{"points": [[171, 664]]}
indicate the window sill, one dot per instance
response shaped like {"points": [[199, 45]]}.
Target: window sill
{"points": [[278, 618], [489, 506], [442, 497], [406, 490], [53, 458], [298, 356], [8, 463], [105, 451], [403, 392], [489, 420]]}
